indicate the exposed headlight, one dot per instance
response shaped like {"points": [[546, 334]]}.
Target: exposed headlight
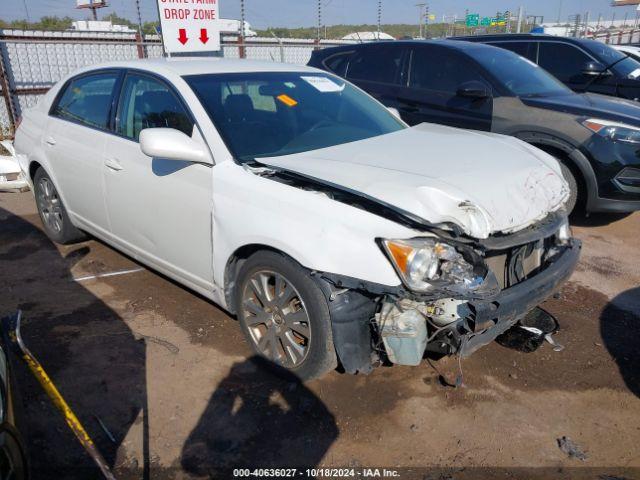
{"points": [[564, 233], [424, 263], [617, 132]]}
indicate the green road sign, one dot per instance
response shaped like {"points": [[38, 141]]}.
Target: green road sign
{"points": [[473, 19], [485, 22]]}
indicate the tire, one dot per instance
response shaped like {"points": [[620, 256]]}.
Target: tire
{"points": [[291, 329], [574, 187], [52, 211]]}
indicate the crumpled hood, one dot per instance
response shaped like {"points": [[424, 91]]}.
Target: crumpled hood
{"points": [[483, 182]]}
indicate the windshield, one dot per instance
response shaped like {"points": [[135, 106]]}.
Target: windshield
{"points": [[603, 52], [520, 76], [266, 114], [627, 68]]}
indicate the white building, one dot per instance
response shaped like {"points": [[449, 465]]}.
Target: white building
{"points": [[99, 26], [368, 36]]}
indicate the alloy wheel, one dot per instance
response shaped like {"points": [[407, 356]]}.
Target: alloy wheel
{"points": [[50, 205], [276, 318]]}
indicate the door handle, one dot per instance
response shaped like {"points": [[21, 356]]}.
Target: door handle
{"points": [[50, 141], [113, 164]]}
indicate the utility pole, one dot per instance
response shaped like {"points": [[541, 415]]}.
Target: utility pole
{"points": [[379, 17], [242, 20], [520, 15], [319, 20], [559, 11], [139, 18], [586, 24], [420, 17]]}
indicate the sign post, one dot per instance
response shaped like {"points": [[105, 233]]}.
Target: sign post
{"points": [[189, 25]]}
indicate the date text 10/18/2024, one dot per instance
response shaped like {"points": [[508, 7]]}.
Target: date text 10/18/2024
{"points": [[316, 473]]}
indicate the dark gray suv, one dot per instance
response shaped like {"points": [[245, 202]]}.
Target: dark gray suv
{"points": [[471, 85]]}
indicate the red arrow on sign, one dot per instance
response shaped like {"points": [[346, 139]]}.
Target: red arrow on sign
{"points": [[203, 35], [182, 38]]}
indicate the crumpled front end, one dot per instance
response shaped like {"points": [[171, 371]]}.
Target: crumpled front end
{"points": [[521, 270]]}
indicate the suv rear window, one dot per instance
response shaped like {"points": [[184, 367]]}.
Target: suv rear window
{"points": [[87, 100]]}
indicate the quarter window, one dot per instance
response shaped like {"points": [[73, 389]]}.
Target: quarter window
{"points": [[87, 100], [563, 61], [149, 103]]}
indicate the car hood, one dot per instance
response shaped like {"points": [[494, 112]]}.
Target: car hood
{"points": [[590, 105], [483, 182]]}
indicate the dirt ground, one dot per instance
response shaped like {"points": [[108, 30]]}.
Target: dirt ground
{"points": [[171, 378]]}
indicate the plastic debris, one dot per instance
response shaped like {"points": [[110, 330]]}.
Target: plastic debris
{"points": [[572, 449]]}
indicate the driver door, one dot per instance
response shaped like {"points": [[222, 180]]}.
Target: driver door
{"points": [[434, 77], [159, 209]]}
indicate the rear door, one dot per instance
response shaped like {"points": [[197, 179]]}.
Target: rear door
{"points": [[74, 143], [159, 209], [435, 75], [379, 69]]}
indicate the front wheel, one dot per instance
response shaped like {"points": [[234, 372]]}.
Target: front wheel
{"points": [[284, 315]]}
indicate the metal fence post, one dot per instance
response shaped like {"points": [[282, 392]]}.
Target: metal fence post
{"points": [[141, 53], [6, 89]]}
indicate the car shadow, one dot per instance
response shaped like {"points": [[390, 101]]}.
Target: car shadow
{"points": [[580, 219], [259, 416], [90, 353], [620, 331]]}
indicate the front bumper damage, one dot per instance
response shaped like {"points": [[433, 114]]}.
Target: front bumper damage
{"points": [[364, 336]]}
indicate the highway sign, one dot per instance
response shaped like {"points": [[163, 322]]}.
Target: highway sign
{"points": [[189, 26], [473, 20]]}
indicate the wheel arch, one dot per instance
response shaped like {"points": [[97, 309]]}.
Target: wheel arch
{"points": [[571, 156], [234, 263]]}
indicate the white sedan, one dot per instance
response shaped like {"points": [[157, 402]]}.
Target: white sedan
{"points": [[297, 202]]}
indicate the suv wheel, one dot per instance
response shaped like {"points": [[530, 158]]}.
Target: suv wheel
{"points": [[573, 187], [284, 315], [54, 216]]}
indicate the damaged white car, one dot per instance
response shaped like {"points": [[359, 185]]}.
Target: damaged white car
{"points": [[294, 200], [11, 177]]}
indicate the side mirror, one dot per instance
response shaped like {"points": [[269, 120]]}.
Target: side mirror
{"points": [[593, 68], [394, 112], [473, 89], [172, 144]]}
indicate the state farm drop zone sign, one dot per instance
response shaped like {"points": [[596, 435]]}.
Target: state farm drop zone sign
{"points": [[189, 25]]}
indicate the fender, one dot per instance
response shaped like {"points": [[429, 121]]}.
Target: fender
{"points": [[573, 154]]}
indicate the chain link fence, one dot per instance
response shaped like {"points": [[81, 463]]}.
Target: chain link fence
{"points": [[31, 62]]}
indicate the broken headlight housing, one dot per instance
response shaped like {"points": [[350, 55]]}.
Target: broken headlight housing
{"points": [[425, 264], [564, 233], [614, 131]]}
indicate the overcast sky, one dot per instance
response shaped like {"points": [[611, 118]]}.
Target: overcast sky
{"points": [[298, 13]]}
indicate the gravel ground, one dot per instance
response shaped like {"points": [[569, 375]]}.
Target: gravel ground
{"points": [[171, 378]]}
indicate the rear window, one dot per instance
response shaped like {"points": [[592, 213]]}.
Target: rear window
{"points": [[87, 100]]}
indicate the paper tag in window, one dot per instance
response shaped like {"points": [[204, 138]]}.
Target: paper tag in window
{"points": [[635, 73], [323, 84]]}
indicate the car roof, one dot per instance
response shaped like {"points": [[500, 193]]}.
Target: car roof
{"points": [[448, 43], [524, 36], [196, 66]]}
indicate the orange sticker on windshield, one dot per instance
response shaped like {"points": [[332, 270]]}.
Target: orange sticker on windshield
{"points": [[287, 100]]}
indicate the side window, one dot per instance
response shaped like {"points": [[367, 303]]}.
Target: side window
{"points": [[380, 63], [524, 49], [440, 69], [87, 100], [149, 103], [563, 61], [338, 63]]}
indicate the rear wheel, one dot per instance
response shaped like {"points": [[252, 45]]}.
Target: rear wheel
{"points": [[285, 315], [52, 212]]}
